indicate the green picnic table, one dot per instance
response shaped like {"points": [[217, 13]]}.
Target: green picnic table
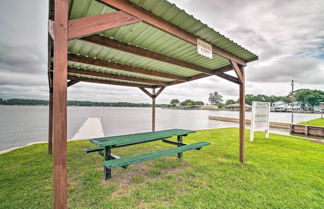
{"points": [[106, 144]]}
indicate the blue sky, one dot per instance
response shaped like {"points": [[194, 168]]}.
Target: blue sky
{"points": [[287, 35]]}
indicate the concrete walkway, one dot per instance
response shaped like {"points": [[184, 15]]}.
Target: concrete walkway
{"points": [[91, 128]]}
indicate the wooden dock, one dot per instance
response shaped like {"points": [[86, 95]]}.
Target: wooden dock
{"points": [[294, 128], [247, 121], [307, 130]]}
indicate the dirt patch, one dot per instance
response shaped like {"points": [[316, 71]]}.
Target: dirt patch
{"points": [[130, 179], [124, 177]]}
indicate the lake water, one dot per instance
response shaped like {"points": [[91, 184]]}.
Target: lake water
{"points": [[21, 125]]}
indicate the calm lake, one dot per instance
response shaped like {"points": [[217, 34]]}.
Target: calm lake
{"points": [[21, 125]]}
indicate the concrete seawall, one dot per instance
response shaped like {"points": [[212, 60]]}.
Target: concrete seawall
{"points": [[247, 121]]}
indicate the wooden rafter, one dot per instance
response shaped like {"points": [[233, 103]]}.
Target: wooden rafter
{"points": [[72, 82], [159, 91], [147, 92], [164, 25], [216, 72], [118, 83], [110, 43], [229, 78], [115, 76], [94, 24], [103, 63], [238, 71], [51, 28], [153, 95]]}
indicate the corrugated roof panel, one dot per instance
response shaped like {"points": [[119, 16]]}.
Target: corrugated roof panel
{"points": [[150, 38], [88, 49], [166, 44], [149, 4], [115, 71], [106, 79]]}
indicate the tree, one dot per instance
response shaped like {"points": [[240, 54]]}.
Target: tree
{"points": [[174, 102], [230, 101], [199, 103], [309, 97], [215, 98], [187, 102], [249, 99]]}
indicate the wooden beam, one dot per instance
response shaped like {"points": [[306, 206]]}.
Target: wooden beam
{"points": [[50, 106], [159, 91], [50, 52], [50, 123], [118, 83], [242, 118], [153, 109], [60, 104], [153, 95], [147, 92], [164, 25], [203, 75], [72, 82], [94, 24], [110, 43], [115, 76], [237, 71], [223, 69], [229, 78], [127, 68], [51, 28]]}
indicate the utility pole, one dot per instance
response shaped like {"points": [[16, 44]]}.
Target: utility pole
{"points": [[292, 101]]}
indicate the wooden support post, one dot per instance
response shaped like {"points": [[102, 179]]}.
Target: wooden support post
{"points": [[50, 122], [306, 130], [60, 104], [153, 96], [50, 74], [179, 139], [242, 115], [153, 109]]}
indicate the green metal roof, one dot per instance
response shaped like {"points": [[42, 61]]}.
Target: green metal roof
{"points": [[148, 37]]}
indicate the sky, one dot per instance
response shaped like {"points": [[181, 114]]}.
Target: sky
{"points": [[288, 37]]}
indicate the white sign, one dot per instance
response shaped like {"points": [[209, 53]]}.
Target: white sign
{"points": [[260, 118], [204, 49]]}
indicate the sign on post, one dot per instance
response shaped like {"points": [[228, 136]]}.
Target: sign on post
{"points": [[260, 118], [204, 48]]}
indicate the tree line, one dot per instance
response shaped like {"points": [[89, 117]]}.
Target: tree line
{"points": [[306, 97], [75, 103], [187, 102]]}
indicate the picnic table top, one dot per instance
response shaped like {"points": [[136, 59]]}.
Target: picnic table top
{"points": [[139, 137]]}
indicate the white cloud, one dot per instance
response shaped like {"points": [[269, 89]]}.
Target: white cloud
{"points": [[287, 36]]}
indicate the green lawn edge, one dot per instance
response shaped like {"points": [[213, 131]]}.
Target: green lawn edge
{"points": [[314, 122], [279, 172]]}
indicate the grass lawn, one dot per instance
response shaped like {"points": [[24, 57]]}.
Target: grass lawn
{"points": [[280, 172], [315, 122]]}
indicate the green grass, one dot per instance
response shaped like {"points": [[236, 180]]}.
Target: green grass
{"points": [[315, 122], [280, 172]]}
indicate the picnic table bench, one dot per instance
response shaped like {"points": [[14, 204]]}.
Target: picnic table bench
{"points": [[106, 144]]}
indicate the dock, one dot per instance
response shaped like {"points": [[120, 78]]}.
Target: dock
{"points": [[280, 125], [91, 128]]}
